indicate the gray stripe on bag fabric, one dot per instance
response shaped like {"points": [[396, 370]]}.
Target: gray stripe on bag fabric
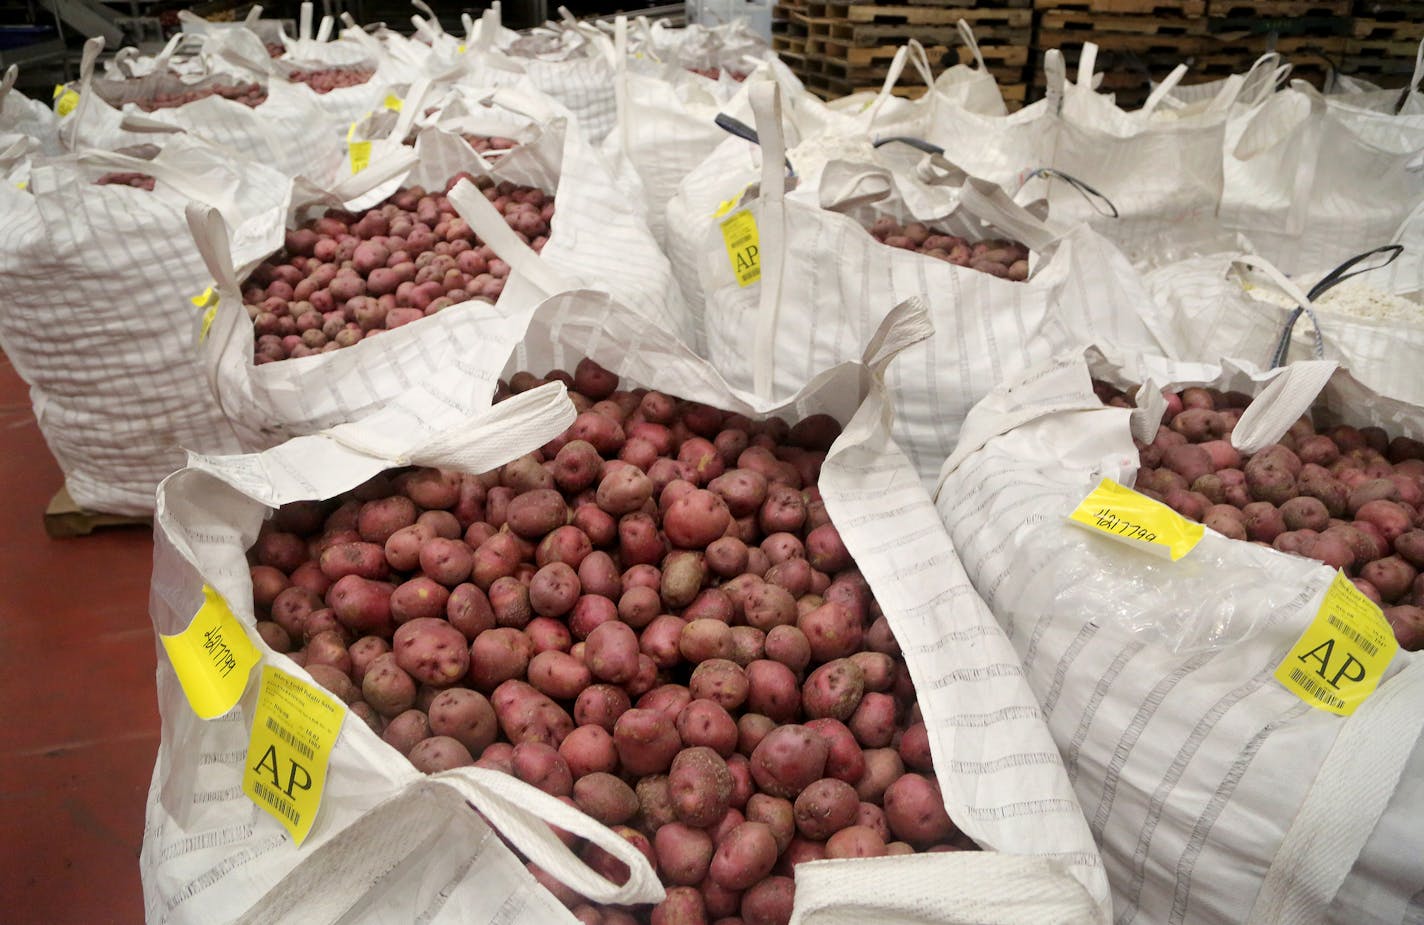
{"points": [[1186, 864], [1021, 809], [1090, 709], [1004, 715], [1018, 760], [514, 905], [1163, 793], [1134, 730], [442, 896], [1060, 673]]}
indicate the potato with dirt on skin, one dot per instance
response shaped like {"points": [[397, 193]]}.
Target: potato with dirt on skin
{"points": [[541, 766], [363, 606], [605, 797], [499, 655], [387, 687], [745, 856], [706, 723], [439, 753], [465, 716], [779, 815], [701, 786], [773, 690], [525, 715], [336, 681], [769, 902], [719, 680], [833, 630], [601, 705], [647, 741], [558, 675], [787, 760], [406, 730], [833, 690]]}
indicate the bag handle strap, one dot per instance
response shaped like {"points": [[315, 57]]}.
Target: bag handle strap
{"points": [[395, 161], [1350, 793], [12, 73], [1414, 81], [323, 31], [1087, 64], [1159, 93], [765, 98], [87, 59], [1302, 300], [1332, 279], [990, 203], [471, 205], [431, 18], [1281, 403], [966, 35], [1055, 76], [1095, 198], [912, 52], [410, 109], [620, 79]]}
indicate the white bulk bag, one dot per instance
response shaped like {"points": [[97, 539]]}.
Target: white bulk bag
{"points": [[1217, 796], [823, 276], [95, 310], [592, 238], [1311, 181], [21, 116], [1214, 307], [1352, 91], [389, 843], [286, 132]]}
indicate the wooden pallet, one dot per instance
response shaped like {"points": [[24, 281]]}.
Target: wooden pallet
{"points": [[1176, 46], [1275, 9], [995, 56], [1247, 48], [1383, 48], [1388, 9], [919, 15], [1070, 20], [1391, 73], [1158, 8], [1379, 29], [63, 518], [1003, 4]]}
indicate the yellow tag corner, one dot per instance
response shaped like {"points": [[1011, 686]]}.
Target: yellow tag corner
{"points": [[1338, 661], [212, 657], [460, 49], [294, 728], [360, 156], [65, 100], [1124, 515], [393, 102], [739, 233]]}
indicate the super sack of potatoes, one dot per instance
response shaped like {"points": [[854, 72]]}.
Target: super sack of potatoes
{"points": [[1223, 656], [382, 280], [691, 621], [110, 356]]}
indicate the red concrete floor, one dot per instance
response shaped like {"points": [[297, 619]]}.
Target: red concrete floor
{"points": [[76, 679]]}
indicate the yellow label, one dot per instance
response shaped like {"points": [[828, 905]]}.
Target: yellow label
{"points": [[393, 102], [212, 657], [743, 250], [207, 300], [1137, 520], [294, 729], [65, 100], [23, 184], [729, 204], [461, 49], [1339, 659], [351, 131], [360, 156]]}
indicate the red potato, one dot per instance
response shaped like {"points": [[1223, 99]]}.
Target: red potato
{"points": [[844, 758], [558, 675], [1407, 621], [655, 808], [789, 646], [525, 715], [720, 680], [431, 651], [766, 606], [684, 853], [683, 575], [856, 841], [418, 598], [787, 760], [647, 741], [914, 748], [742, 490], [499, 655], [362, 606], [667, 699], [778, 814], [601, 705], [702, 640], [554, 590], [407, 730], [682, 905], [439, 753], [540, 765], [380, 518], [825, 807], [748, 645], [701, 786], [468, 610], [745, 857], [773, 690], [769, 902], [465, 716], [751, 729], [328, 648], [661, 641], [874, 720], [882, 768], [706, 723], [612, 652], [833, 690], [588, 750], [915, 811], [387, 688], [336, 681], [833, 631], [605, 797], [274, 636]]}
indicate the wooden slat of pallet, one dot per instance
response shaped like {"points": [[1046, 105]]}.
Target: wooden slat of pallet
{"points": [[1144, 25], [1397, 30], [1388, 9], [1188, 8], [1008, 55], [63, 518], [1283, 25], [1245, 49], [882, 54], [1389, 72], [1009, 4], [1275, 9], [1384, 48], [865, 35], [1180, 46], [931, 16]]}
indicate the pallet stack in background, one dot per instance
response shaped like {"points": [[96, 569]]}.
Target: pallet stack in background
{"points": [[1383, 41], [837, 48], [841, 47]]}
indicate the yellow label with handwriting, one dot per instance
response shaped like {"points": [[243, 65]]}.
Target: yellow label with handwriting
{"points": [[65, 100], [208, 301], [393, 102], [212, 657], [360, 156], [294, 728], [1339, 659], [739, 233], [1135, 519]]}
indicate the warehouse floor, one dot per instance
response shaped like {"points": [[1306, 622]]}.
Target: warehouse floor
{"points": [[76, 677]]}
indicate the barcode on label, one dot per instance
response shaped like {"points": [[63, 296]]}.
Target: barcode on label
{"points": [[1354, 635], [286, 736], [1316, 689], [275, 800]]}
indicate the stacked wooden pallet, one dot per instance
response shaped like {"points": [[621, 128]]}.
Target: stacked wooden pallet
{"points": [[1138, 40], [1308, 34], [843, 47], [1383, 42]]}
